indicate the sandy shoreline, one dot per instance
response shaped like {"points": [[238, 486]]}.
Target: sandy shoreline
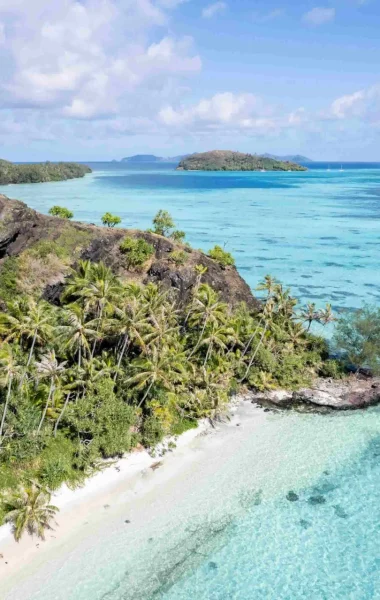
{"points": [[130, 477], [124, 520]]}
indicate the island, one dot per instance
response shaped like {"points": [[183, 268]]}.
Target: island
{"points": [[227, 160], [150, 158], [40, 172]]}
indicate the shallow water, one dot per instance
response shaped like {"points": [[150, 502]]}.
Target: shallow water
{"points": [[286, 509], [316, 231]]}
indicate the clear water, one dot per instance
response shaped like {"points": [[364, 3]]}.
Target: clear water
{"points": [[225, 528], [317, 231]]}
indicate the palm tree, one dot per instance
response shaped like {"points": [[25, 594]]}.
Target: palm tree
{"points": [[10, 371], [131, 323], [14, 324], [309, 314], [162, 368], [254, 354], [326, 315], [29, 509], [268, 284], [78, 332], [200, 271], [207, 309], [217, 336], [50, 368], [77, 280]]}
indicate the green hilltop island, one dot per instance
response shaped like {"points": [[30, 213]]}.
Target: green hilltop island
{"points": [[227, 160], [40, 172]]}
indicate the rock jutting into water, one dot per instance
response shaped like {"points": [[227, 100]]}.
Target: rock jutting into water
{"points": [[326, 394]]}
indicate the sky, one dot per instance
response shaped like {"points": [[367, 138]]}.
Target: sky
{"points": [[104, 79]]}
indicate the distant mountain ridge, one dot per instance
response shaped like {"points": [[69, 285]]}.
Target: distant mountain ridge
{"points": [[148, 158], [297, 158]]}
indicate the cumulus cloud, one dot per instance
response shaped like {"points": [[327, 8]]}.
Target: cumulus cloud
{"points": [[363, 105], [319, 16], [213, 9], [89, 59]]}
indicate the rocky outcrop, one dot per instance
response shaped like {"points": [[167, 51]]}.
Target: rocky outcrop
{"points": [[325, 395], [21, 228]]}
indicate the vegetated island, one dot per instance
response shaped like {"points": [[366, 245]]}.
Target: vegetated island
{"points": [[111, 338], [40, 172], [297, 158], [227, 160]]}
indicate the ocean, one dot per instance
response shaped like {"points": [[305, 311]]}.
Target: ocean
{"points": [[288, 511]]}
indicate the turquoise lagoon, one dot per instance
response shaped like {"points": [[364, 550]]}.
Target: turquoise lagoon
{"points": [[317, 231], [228, 527]]}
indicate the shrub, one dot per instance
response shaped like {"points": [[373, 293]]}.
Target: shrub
{"points": [[61, 212], [357, 335], [163, 223], [137, 251], [46, 247], [178, 236], [224, 258], [179, 257], [110, 220]]}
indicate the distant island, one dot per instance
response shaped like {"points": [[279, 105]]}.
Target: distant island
{"points": [[149, 158], [40, 172], [226, 160], [297, 158]]}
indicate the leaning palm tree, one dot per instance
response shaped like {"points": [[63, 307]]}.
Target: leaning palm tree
{"points": [[326, 315], [51, 369], [10, 371], [29, 510], [77, 332], [207, 309], [158, 368]]}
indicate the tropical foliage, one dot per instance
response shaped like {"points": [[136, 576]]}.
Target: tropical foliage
{"points": [[225, 259], [357, 336], [61, 212], [136, 250], [227, 160], [118, 363], [40, 172], [110, 220]]}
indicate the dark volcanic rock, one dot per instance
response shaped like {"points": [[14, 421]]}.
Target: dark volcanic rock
{"points": [[326, 394], [22, 227]]}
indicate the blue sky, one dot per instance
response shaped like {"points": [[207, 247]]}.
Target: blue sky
{"points": [[101, 79]]}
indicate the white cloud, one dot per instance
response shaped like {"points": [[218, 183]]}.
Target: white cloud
{"points": [[90, 59], [213, 9], [319, 16], [363, 105]]}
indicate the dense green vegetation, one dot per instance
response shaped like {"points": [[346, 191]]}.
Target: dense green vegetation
{"points": [[226, 160], [61, 212], [119, 363], [40, 172], [136, 250], [357, 335], [225, 259]]}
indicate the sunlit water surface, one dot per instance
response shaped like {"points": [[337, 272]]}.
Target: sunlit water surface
{"points": [[231, 530]]}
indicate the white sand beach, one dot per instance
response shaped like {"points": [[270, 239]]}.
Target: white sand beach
{"points": [[131, 511]]}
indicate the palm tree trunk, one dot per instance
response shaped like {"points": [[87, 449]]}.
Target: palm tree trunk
{"points": [[255, 352], [199, 339], [61, 414], [208, 353], [6, 406], [146, 394], [46, 407], [97, 331], [251, 339], [79, 356], [125, 343], [29, 360]]}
